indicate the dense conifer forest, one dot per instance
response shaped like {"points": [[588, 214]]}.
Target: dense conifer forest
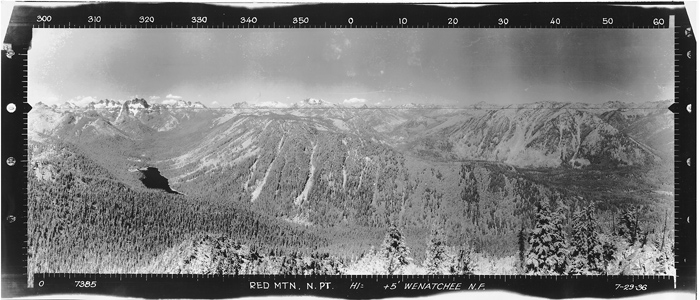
{"points": [[83, 219], [287, 193]]}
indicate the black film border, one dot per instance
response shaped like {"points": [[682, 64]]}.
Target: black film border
{"points": [[186, 15]]}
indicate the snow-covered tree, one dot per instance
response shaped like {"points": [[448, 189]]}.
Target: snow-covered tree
{"points": [[522, 247], [394, 251], [591, 250], [463, 262], [547, 254], [438, 257], [628, 228]]}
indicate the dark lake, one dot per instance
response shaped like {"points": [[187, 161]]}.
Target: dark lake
{"points": [[153, 180]]}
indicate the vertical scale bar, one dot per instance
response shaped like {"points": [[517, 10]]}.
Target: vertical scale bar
{"points": [[13, 160], [24, 164], [685, 147], [676, 127]]}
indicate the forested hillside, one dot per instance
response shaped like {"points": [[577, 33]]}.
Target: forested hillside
{"points": [[84, 220], [318, 188]]}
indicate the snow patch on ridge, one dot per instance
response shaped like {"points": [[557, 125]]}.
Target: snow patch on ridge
{"points": [[345, 177], [309, 181], [340, 124], [259, 186]]}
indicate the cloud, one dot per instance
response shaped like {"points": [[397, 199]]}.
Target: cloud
{"points": [[154, 97], [169, 101], [354, 101], [83, 101], [171, 96], [215, 102]]}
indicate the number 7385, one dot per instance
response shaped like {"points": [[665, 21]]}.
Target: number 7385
{"points": [[85, 283]]}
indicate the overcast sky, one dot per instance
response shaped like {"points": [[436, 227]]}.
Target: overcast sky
{"points": [[390, 66]]}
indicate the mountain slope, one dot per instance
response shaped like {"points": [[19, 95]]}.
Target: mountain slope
{"points": [[534, 138], [309, 169]]}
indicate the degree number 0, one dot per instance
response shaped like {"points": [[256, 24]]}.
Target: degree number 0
{"points": [[41, 18], [147, 19]]}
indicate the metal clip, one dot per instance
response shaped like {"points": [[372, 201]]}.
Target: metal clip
{"points": [[8, 47]]}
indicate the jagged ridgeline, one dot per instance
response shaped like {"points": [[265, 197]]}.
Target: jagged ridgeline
{"points": [[322, 188]]}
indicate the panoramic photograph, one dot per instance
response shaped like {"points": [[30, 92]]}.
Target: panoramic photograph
{"points": [[351, 151]]}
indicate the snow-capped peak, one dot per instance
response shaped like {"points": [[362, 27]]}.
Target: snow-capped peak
{"points": [[241, 105], [272, 104], [313, 102], [105, 104], [68, 105], [138, 103], [183, 104], [409, 105], [416, 106]]}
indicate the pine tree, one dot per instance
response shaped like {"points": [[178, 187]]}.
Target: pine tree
{"points": [[590, 249], [548, 249], [394, 251], [438, 256], [522, 236], [629, 226], [463, 263]]}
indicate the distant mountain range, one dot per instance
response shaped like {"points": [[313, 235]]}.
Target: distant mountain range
{"points": [[545, 134], [286, 160], [136, 103], [334, 174]]}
